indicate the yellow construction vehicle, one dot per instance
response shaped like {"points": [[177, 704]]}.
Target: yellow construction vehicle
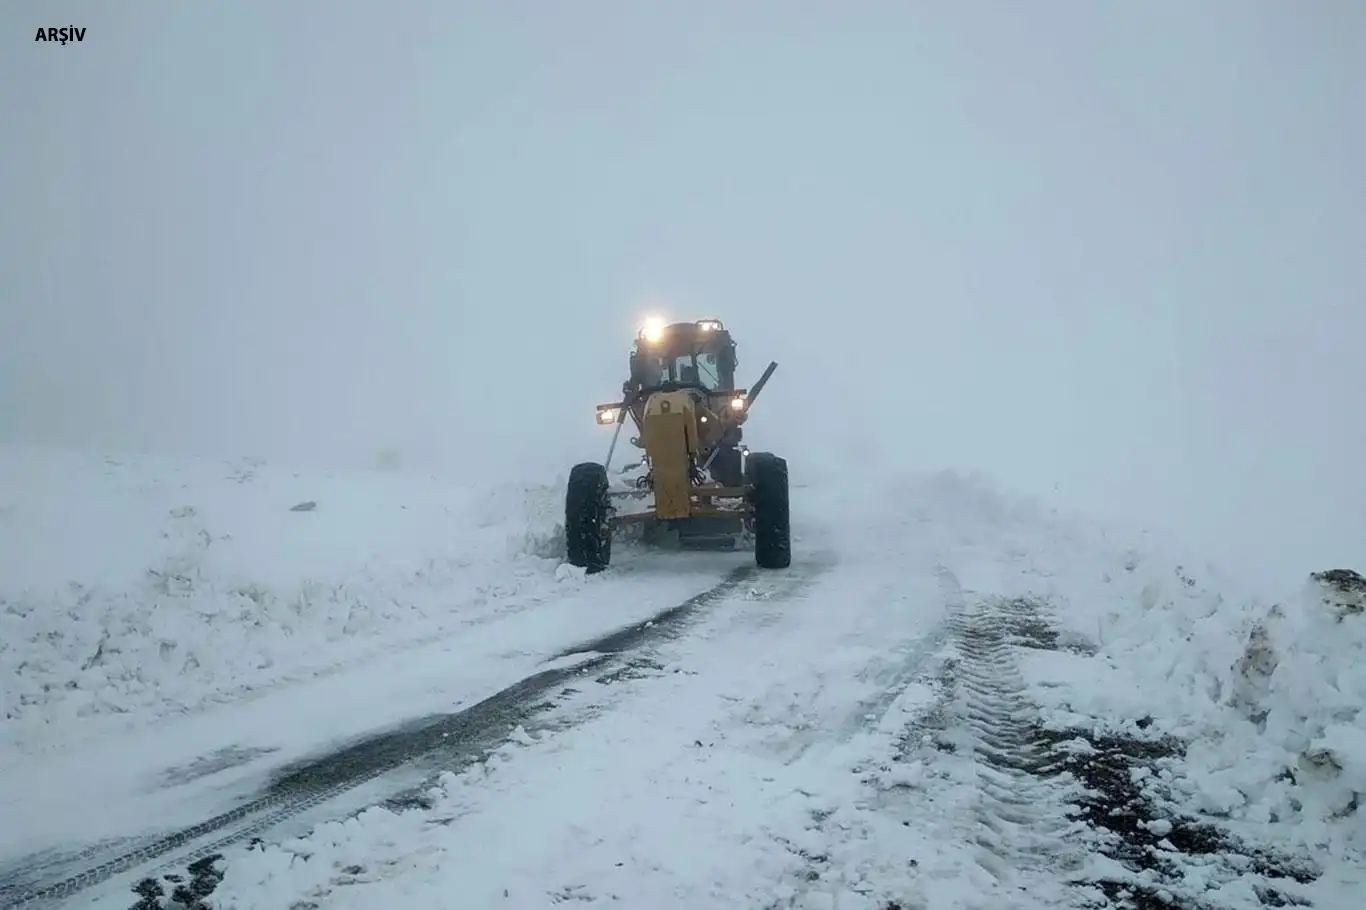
{"points": [[697, 484]]}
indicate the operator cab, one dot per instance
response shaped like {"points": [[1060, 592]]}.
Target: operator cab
{"points": [[685, 355]]}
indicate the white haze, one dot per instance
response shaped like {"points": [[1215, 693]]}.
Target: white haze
{"points": [[1113, 255]]}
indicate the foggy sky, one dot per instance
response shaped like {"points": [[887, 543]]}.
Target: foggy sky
{"points": [[1113, 255]]}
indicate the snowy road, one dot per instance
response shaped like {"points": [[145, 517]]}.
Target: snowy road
{"points": [[228, 773], [824, 738], [953, 703]]}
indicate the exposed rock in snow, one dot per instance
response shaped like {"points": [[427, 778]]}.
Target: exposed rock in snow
{"points": [[1344, 591]]}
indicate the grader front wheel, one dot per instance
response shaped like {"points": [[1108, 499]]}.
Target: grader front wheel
{"points": [[587, 534]]}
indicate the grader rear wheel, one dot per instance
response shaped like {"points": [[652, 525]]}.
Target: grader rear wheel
{"points": [[772, 518]]}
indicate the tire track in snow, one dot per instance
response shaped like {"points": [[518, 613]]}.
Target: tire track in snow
{"points": [[1056, 806], [971, 731], [1021, 819], [458, 738], [1051, 818]]}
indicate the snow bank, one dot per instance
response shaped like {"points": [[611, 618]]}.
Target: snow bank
{"points": [[143, 584], [1269, 697], [1267, 690], [1300, 684]]}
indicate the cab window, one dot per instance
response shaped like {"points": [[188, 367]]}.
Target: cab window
{"points": [[708, 371]]}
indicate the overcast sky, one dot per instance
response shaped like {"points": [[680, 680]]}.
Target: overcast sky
{"points": [[1111, 254]]}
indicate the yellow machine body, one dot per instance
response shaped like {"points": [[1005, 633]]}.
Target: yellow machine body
{"points": [[671, 441]]}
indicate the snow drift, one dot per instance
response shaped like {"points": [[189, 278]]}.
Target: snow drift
{"points": [[134, 586]]}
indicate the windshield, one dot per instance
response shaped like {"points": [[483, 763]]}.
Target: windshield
{"points": [[699, 370]]}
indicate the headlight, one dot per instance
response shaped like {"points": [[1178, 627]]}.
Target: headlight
{"points": [[608, 416], [737, 404], [653, 329]]}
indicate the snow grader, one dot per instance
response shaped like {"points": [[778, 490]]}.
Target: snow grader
{"points": [[696, 486]]}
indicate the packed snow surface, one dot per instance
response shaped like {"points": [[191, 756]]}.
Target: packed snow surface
{"points": [[849, 733]]}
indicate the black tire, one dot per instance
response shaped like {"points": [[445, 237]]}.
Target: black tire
{"points": [[727, 468], [772, 521], [587, 534]]}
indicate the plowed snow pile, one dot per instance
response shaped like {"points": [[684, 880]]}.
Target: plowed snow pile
{"points": [[1267, 692], [135, 586]]}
